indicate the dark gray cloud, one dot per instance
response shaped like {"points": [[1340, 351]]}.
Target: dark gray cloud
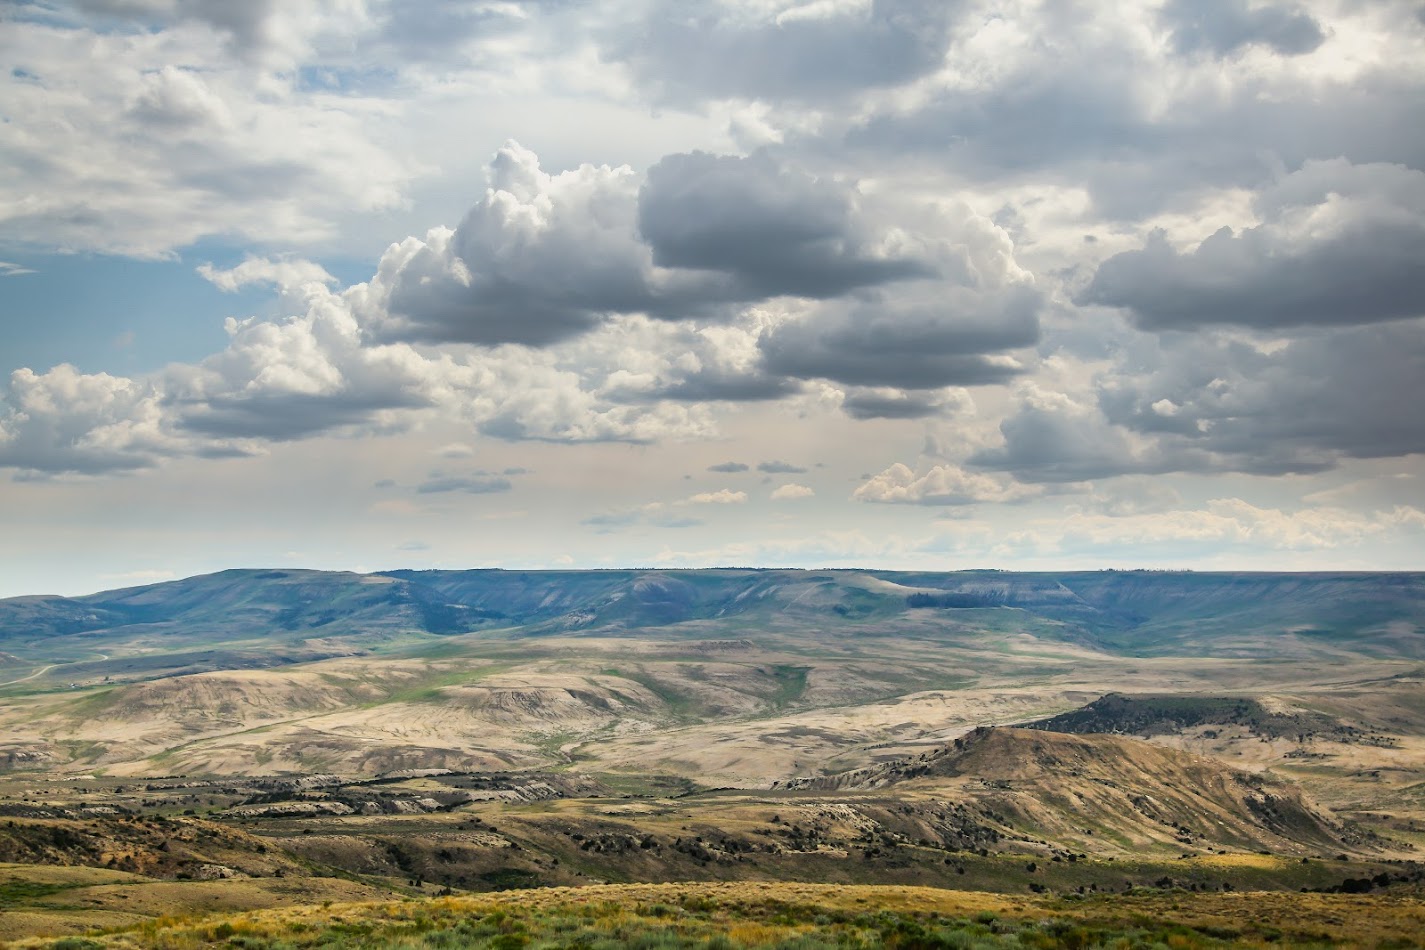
{"points": [[1341, 245], [778, 467], [771, 229], [1205, 403], [1222, 27], [1327, 395], [1056, 444], [696, 52], [728, 467], [285, 416], [954, 343]]}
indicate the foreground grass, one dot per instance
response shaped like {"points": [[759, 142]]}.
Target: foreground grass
{"points": [[794, 917]]}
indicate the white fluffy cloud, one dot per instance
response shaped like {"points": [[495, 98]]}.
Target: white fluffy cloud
{"points": [[791, 492], [723, 496], [288, 275], [92, 423], [946, 484]]}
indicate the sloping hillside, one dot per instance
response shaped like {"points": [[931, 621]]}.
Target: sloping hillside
{"points": [[1113, 788]]}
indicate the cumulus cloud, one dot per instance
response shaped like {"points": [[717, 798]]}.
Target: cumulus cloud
{"points": [[791, 492], [1295, 407], [288, 379], [715, 363], [728, 467], [546, 257], [541, 258], [961, 341], [312, 373], [946, 484], [1339, 244], [65, 421], [1050, 438], [769, 229]]}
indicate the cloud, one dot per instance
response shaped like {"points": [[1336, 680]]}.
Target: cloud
{"points": [[769, 229], [65, 421], [1340, 244], [777, 467], [1300, 406], [728, 467], [717, 363], [961, 341], [301, 376], [158, 155], [1051, 439], [885, 402], [287, 275], [8, 269], [782, 51], [280, 35], [478, 483], [315, 373], [544, 258], [1100, 105], [947, 485], [1222, 27], [723, 496], [791, 492], [540, 259]]}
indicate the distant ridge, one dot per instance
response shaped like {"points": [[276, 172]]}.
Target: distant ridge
{"points": [[1134, 611]]}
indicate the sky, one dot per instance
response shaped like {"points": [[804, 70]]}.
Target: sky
{"points": [[1029, 284]]}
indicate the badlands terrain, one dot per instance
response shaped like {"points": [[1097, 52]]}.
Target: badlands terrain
{"points": [[260, 738]]}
